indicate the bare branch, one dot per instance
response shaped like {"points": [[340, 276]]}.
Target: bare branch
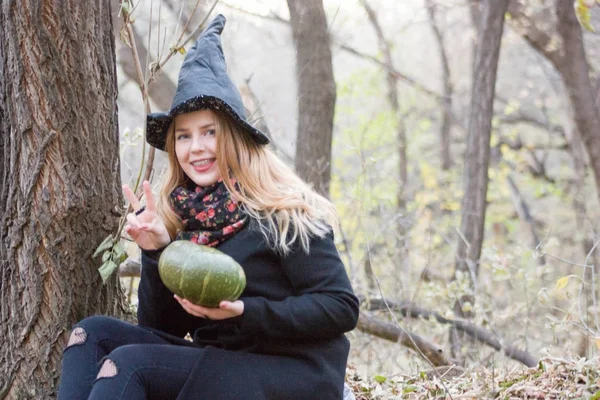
{"points": [[181, 43], [385, 330], [272, 16], [524, 215], [411, 310], [530, 31]]}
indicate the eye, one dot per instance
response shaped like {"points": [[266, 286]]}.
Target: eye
{"points": [[182, 136], [210, 132]]}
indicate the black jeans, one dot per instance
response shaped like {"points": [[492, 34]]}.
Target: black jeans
{"points": [[133, 362]]}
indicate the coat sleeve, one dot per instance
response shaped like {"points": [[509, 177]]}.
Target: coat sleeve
{"points": [[157, 308], [324, 305]]}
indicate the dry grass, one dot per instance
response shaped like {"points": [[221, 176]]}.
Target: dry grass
{"points": [[552, 379]]}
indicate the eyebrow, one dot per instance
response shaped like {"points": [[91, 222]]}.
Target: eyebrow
{"points": [[209, 125]]}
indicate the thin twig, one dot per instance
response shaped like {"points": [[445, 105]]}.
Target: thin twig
{"points": [[567, 261], [593, 288], [272, 16], [158, 67], [403, 330], [189, 19]]}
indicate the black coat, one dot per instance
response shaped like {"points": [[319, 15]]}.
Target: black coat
{"points": [[288, 344]]}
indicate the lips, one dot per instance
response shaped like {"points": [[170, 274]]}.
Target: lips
{"points": [[203, 165]]}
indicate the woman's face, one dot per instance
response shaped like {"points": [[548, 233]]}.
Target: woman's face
{"points": [[195, 146]]}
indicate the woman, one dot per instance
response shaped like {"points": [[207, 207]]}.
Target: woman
{"points": [[284, 338]]}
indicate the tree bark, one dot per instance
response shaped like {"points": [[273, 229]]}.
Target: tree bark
{"points": [[316, 92], [475, 174], [60, 182], [575, 72]]}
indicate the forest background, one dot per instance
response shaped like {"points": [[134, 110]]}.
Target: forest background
{"points": [[459, 141]]}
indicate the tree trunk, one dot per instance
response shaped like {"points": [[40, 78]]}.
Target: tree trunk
{"points": [[60, 192], [316, 92], [575, 72], [475, 174]]}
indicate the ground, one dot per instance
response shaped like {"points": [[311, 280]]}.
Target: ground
{"points": [[551, 379]]}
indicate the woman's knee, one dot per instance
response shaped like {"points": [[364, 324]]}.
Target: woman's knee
{"points": [[134, 370], [124, 358], [91, 325]]}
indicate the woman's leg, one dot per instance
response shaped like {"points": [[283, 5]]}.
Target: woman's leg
{"points": [[144, 371], [92, 339]]}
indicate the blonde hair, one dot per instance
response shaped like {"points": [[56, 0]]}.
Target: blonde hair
{"points": [[285, 207]]}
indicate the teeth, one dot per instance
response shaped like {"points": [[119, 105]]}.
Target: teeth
{"points": [[202, 162]]}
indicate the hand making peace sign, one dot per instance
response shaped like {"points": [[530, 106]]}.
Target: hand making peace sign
{"points": [[145, 226]]}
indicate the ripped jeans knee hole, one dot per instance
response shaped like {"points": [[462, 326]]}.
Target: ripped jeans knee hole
{"points": [[78, 336], [108, 369]]}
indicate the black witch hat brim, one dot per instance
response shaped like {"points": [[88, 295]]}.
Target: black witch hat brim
{"points": [[158, 124]]}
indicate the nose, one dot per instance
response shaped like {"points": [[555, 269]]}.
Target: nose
{"points": [[197, 143]]}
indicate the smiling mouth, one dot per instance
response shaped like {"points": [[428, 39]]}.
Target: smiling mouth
{"points": [[201, 163]]}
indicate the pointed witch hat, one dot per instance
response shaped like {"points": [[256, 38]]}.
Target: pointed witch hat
{"points": [[203, 85]]}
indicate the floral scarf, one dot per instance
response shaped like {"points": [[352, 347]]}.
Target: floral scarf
{"points": [[209, 214]]}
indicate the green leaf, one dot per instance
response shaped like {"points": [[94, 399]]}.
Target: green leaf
{"points": [[119, 253], [106, 256], [409, 389], [596, 396], [106, 244], [379, 379], [107, 269]]}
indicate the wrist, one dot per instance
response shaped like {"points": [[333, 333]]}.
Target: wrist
{"points": [[153, 253]]}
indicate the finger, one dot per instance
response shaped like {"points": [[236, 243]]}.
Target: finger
{"points": [[225, 305], [133, 221], [133, 200], [132, 231], [186, 306], [148, 193], [233, 308], [198, 310], [195, 307], [192, 311], [149, 227], [177, 298]]}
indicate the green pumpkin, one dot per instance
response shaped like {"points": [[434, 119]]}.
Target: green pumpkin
{"points": [[201, 274]]}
